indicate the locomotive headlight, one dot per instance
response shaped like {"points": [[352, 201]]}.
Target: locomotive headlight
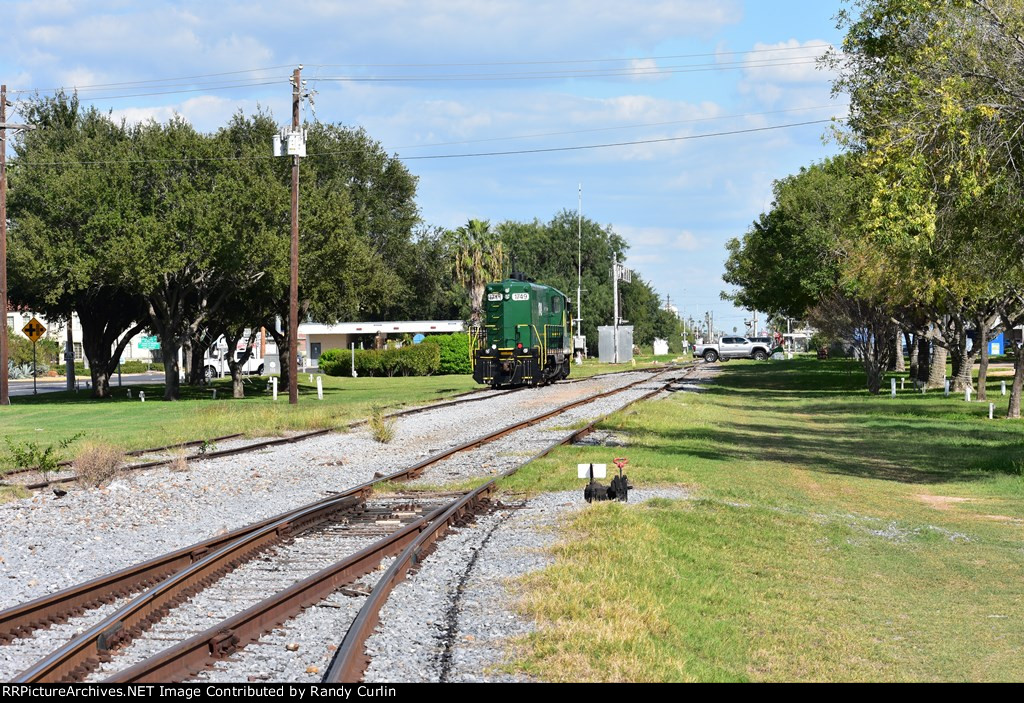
{"points": [[494, 346]]}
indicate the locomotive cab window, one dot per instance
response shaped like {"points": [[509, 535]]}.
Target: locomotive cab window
{"points": [[556, 304]]}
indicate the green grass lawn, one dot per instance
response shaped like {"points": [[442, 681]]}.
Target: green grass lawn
{"points": [[131, 424], [832, 536]]}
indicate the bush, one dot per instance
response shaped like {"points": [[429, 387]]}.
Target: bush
{"points": [[406, 361], [331, 360], [135, 366], [454, 353]]}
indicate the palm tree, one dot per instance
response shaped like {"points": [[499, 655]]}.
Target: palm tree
{"points": [[478, 257]]}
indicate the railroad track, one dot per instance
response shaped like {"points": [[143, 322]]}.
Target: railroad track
{"points": [[182, 573], [203, 454]]}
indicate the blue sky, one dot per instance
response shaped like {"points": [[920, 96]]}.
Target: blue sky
{"points": [[443, 78]]}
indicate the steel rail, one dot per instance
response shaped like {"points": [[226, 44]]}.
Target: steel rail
{"points": [[350, 661], [457, 399], [135, 452], [181, 566], [85, 651], [255, 446], [186, 658]]}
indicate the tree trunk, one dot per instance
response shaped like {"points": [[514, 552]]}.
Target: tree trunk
{"points": [[923, 359], [237, 363], [281, 340], [982, 340], [172, 383], [102, 346], [897, 351], [937, 369], [957, 350], [197, 369], [1013, 411], [911, 340], [186, 359]]}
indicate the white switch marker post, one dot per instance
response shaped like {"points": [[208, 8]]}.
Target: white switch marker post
{"points": [[274, 382], [320, 387]]}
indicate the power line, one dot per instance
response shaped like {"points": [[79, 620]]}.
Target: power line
{"points": [[571, 61], [434, 156], [632, 126], [564, 73], [582, 73], [200, 89], [614, 144], [144, 81]]}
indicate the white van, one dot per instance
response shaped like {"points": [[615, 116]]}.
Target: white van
{"points": [[215, 362]]}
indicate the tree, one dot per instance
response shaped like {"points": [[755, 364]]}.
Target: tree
{"points": [[807, 256], [479, 257], [938, 97], [71, 215]]}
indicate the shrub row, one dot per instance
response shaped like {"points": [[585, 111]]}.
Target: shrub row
{"points": [[454, 353], [440, 353], [412, 360]]}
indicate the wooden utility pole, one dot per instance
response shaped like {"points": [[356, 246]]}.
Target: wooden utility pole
{"points": [[4, 391], [5, 398], [293, 293]]}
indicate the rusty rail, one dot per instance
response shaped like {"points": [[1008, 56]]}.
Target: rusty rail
{"points": [[180, 568], [350, 661]]}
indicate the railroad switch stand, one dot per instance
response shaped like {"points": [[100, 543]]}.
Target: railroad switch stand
{"points": [[617, 490]]}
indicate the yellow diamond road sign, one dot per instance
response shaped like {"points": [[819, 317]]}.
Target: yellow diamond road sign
{"points": [[33, 330]]}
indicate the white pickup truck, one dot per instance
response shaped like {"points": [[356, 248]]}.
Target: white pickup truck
{"points": [[733, 348]]}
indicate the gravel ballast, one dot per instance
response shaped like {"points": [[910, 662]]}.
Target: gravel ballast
{"points": [[427, 634], [49, 543], [150, 512]]}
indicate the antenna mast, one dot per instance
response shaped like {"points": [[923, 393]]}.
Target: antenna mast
{"points": [[579, 264]]}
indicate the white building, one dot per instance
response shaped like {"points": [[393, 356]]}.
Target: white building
{"points": [[314, 338]]}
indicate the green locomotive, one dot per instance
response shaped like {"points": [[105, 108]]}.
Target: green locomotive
{"points": [[526, 337]]}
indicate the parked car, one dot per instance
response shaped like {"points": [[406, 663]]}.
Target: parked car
{"points": [[734, 348]]}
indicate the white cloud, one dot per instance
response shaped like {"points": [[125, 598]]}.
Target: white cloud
{"points": [[206, 112], [662, 238]]}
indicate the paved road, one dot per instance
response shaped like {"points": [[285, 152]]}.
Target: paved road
{"points": [[49, 385]]}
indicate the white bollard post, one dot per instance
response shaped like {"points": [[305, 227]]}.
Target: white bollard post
{"points": [[274, 382], [1003, 383], [142, 396], [129, 392], [991, 409], [901, 383], [320, 387], [893, 387], [354, 374], [215, 394], [967, 394], [946, 382], [310, 378]]}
